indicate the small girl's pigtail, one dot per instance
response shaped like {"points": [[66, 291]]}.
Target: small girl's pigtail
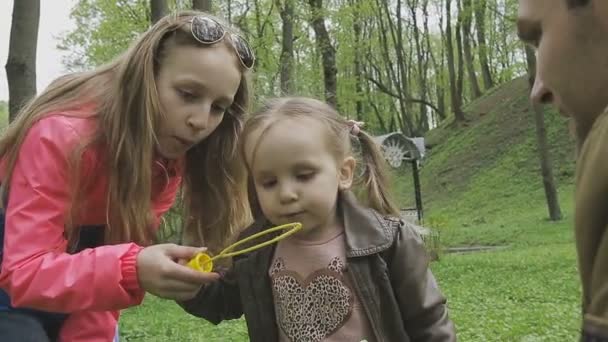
{"points": [[375, 175]]}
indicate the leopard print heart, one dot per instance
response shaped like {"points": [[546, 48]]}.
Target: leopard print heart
{"points": [[313, 308]]}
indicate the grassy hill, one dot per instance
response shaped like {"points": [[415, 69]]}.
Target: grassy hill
{"points": [[482, 185], [487, 171]]}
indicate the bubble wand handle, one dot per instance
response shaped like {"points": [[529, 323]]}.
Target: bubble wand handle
{"points": [[204, 263]]}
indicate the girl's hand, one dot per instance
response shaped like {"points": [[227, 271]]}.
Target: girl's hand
{"points": [[160, 273]]}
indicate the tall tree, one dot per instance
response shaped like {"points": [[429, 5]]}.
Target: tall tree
{"points": [[286, 8], [467, 14], [421, 60], [390, 76], [357, 23], [328, 52], [21, 64], [459, 55], [202, 5], [480, 21], [402, 78], [158, 9], [439, 67], [392, 53], [454, 92], [555, 213]]}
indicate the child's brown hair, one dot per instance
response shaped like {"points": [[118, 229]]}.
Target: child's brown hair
{"points": [[375, 179]]}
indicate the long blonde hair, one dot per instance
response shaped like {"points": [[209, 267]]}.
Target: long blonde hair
{"points": [[128, 113], [374, 181]]}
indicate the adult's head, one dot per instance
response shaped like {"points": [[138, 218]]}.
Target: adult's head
{"points": [[571, 41]]}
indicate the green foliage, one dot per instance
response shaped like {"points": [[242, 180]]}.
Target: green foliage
{"points": [[103, 30], [503, 44]]}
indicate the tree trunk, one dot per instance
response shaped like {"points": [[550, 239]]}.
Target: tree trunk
{"points": [[543, 146], [258, 19], [397, 78], [459, 55], [287, 11], [202, 5], [21, 64], [228, 9], [480, 19], [467, 13], [439, 68], [421, 61], [358, 67], [439, 114], [328, 53], [402, 66], [158, 9], [456, 104]]}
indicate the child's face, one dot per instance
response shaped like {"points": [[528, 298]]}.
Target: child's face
{"points": [[196, 85], [296, 177]]}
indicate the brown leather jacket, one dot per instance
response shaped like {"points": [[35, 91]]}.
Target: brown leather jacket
{"points": [[389, 267]]}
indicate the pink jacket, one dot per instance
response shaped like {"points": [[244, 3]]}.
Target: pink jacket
{"points": [[94, 284]]}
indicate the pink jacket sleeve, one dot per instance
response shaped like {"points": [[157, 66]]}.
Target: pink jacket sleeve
{"points": [[36, 270]]}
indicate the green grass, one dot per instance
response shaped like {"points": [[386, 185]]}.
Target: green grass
{"points": [[528, 291], [162, 320], [521, 294], [481, 186]]}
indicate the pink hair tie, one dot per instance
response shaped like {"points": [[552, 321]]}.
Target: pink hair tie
{"points": [[355, 126]]}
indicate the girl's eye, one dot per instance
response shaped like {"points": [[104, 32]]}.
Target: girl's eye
{"points": [[187, 96], [268, 184], [218, 109], [305, 176]]}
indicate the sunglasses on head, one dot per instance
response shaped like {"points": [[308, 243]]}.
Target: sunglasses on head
{"points": [[209, 31]]}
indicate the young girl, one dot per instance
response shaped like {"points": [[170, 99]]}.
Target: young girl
{"points": [[354, 272], [92, 163]]}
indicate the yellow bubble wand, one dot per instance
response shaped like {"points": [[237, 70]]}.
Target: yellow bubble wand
{"points": [[204, 262]]}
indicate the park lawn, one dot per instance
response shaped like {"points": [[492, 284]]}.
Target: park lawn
{"points": [[527, 291]]}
